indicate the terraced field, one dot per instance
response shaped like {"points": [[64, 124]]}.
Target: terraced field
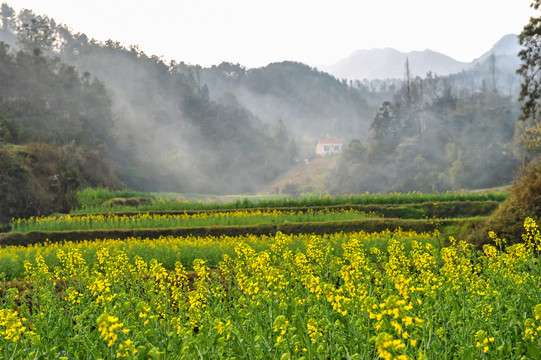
{"points": [[319, 215], [357, 277]]}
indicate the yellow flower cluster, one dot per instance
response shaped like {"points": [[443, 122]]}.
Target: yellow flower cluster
{"points": [[389, 348], [126, 349], [108, 326], [483, 340], [11, 325], [533, 326], [314, 332]]}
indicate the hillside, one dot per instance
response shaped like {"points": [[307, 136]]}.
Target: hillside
{"points": [[308, 102], [310, 176], [39, 179]]}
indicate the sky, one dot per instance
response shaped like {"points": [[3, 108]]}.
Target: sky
{"points": [[255, 33]]}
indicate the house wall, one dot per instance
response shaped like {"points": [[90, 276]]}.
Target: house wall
{"points": [[328, 149]]}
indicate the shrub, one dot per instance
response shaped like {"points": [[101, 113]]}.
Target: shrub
{"points": [[507, 221]]}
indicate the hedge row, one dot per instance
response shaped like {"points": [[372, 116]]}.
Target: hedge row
{"points": [[368, 225]]}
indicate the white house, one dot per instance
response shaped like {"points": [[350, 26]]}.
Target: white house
{"points": [[328, 147]]}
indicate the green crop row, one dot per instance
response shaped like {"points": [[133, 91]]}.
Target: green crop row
{"points": [[145, 220], [442, 210], [95, 203]]}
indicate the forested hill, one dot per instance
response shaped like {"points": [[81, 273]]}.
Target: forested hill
{"points": [[169, 135], [55, 124], [308, 101], [164, 132]]}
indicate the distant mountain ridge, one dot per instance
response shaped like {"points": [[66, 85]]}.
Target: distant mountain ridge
{"points": [[506, 46], [389, 63]]}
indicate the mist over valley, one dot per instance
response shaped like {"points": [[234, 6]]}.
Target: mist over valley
{"points": [[91, 113]]}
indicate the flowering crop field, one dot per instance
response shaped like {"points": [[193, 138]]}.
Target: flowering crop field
{"points": [[343, 296], [169, 250], [147, 220]]}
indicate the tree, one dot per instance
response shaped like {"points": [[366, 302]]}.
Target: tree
{"points": [[407, 82], [493, 70], [408, 103], [530, 92], [385, 129], [279, 132], [523, 201], [36, 36], [7, 14]]}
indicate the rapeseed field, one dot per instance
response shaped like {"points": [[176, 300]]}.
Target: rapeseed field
{"points": [[389, 295]]}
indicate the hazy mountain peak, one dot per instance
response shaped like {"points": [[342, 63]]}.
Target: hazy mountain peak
{"points": [[506, 46], [385, 63]]}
